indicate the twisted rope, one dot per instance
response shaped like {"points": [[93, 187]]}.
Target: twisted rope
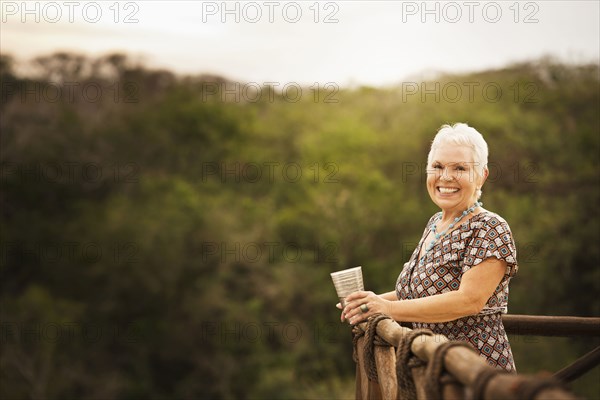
{"points": [[406, 361], [433, 388], [357, 333], [371, 339]]}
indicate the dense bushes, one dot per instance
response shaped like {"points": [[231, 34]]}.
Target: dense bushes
{"points": [[164, 241]]}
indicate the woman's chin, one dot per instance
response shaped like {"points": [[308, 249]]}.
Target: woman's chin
{"points": [[456, 196], [448, 201]]}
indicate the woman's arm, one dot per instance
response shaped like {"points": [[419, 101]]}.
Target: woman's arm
{"points": [[476, 287], [391, 296]]}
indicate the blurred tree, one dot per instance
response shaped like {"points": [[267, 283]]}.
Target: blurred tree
{"points": [[211, 271]]}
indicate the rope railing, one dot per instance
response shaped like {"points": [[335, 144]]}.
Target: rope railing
{"points": [[429, 366]]}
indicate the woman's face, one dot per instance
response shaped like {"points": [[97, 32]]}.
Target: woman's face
{"points": [[452, 182]]}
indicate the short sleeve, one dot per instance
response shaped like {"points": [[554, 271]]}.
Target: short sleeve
{"points": [[493, 239]]}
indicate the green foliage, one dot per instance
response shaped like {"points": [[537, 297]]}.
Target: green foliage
{"points": [[171, 242]]}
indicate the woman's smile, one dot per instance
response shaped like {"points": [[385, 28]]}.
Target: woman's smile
{"points": [[447, 190]]}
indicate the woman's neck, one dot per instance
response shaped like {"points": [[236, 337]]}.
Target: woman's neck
{"points": [[448, 216]]}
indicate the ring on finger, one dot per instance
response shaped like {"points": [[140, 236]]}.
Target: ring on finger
{"points": [[364, 308]]}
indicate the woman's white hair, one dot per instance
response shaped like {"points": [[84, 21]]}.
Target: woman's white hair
{"points": [[464, 135]]}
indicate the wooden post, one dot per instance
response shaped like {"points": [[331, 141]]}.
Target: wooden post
{"points": [[358, 390], [385, 359], [364, 380], [374, 391], [418, 374], [453, 391]]}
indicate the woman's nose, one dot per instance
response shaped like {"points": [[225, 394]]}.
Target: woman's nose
{"points": [[446, 176]]}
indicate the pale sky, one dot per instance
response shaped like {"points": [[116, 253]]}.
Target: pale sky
{"points": [[364, 42]]}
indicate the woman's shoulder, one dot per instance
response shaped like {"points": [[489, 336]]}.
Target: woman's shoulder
{"points": [[487, 215], [490, 220], [434, 218]]}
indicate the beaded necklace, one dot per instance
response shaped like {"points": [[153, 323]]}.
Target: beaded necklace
{"points": [[437, 236]]}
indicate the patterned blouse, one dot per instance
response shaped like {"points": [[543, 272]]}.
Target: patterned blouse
{"points": [[485, 235]]}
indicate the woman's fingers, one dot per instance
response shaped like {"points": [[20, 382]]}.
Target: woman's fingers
{"points": [[356, 295], [352, 312], [355, 300]]}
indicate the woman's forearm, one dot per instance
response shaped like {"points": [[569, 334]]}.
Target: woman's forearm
{"points": [[389, 296], [440, 308]]}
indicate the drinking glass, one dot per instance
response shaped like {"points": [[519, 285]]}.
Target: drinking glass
{"points": [[347, 281]]}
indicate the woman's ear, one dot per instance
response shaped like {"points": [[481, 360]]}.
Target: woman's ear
{"points": [[486, 172], [481, 180]]}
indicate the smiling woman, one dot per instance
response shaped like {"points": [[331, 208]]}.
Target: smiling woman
{"points": [[456, 285]]}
